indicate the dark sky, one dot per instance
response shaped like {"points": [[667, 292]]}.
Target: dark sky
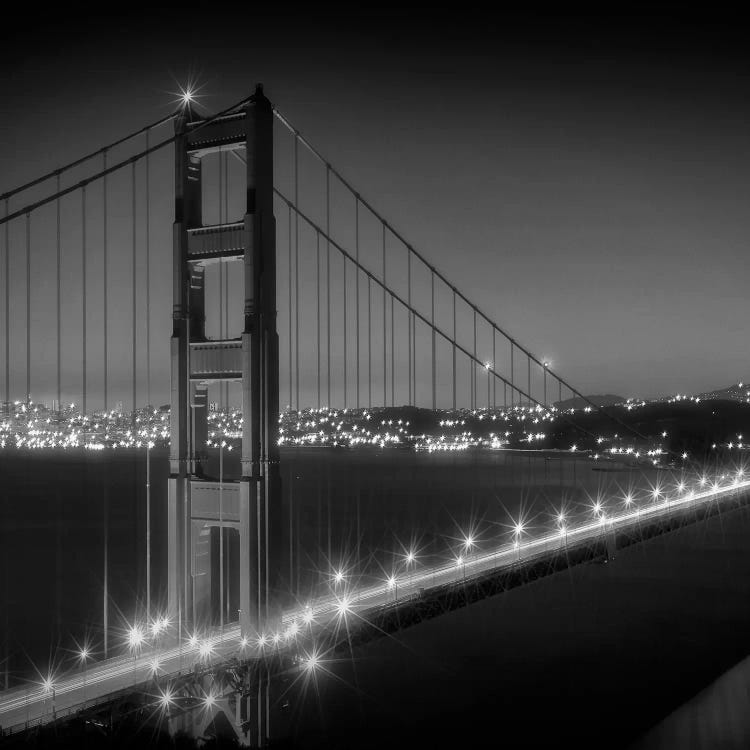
{"points": [[585, 179]]}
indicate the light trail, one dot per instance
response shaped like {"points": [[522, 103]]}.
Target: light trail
{"points": [[33, 703]]}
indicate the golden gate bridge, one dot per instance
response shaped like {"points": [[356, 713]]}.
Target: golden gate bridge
{"points": [[269, 238]]}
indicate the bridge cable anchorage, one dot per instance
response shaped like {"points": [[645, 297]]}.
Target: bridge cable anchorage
{"points": [[347, 256], [119, 165], [574, 391], [88, 157]]}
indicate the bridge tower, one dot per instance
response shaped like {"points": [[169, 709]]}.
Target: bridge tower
{"points": [[250, 508]]}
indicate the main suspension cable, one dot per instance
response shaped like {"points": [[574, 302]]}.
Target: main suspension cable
{"points": [[83, 159], [417, 315], [442, 278]]}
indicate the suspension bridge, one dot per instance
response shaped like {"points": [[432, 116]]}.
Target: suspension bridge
{"points": [[287, 286]]}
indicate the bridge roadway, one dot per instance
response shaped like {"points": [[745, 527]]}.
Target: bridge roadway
{"points": [[34, 704]]}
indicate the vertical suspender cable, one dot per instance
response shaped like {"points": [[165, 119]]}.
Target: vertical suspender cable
{"points": [[328, 281], [528, 366], [369, 341], [291, 371], [494, 367], [317, 304], [356, 293], [385, 361], [393, 355], [345, 341], [408, 313], [434, 363], [559, 390], [134, 300], [83, 304], [454, 348], [296, 266], [489, 378], [474, 366], [414, 357], [148, 272], [7, 305], [226, 268], [28, 308], [512, 371], [104, 220], [223, 334], [59, 324]]}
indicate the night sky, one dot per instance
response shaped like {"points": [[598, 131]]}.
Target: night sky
{"points": [[585, 180]]}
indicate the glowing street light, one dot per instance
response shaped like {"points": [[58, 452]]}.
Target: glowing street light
{"points": [[166, 700], [83, 657], [469, 543], [312, 662], [136, 639], [49, 689], [205, 650]]}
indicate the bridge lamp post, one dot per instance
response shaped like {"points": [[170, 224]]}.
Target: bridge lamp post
{"points": [[158, 626], [49, 689], [338, 577], [656, 493], [392, 585], [461, 563], [411, 562], [563, 528], [135, 641], [83, 657], [517, 533]]}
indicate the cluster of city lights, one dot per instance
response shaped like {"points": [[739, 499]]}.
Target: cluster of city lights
{"points": [[31, 425]]}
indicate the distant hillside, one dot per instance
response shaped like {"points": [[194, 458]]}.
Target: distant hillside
{"points": [[606, 399], [737, 392]]}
